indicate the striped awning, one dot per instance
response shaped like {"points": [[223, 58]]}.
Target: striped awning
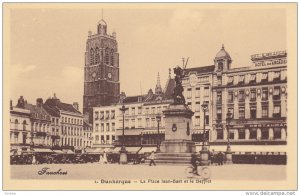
{"points": [[42, 150], [248, 149], [119, 132], [153, 132], [147, 149]]}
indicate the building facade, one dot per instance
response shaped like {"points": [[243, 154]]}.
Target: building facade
{"points": [[101, 70], [256, 96]]}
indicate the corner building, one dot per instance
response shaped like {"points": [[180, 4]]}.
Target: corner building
{"points": [[257, 98], [101, 70]]}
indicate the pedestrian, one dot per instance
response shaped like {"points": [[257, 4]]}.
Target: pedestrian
{"points": [[151, 157], [101, 159], [194, 161], [211, 156], [34, 162]]}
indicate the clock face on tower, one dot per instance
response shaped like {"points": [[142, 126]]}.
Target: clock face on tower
{"points": [[109, 75]]}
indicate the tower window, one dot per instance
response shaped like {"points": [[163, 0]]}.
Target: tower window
{"points": [[92, 56], [97, 59], [220, 66], [106, 57], [112, 58]]}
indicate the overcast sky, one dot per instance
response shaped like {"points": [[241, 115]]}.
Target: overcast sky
{"points": [[47, 45]]}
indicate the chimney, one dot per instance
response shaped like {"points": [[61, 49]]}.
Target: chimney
{"points": [[11, 106], [76, 106], [39, 102]]}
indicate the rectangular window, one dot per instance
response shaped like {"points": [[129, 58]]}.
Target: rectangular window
{"points": [[102, 127], [264, 77], [107, 137], [127, 112], [112, 114], [102, 138], [206, 91], [113, 138], [264, 95], [147, 111], [197, 121], [252, 78], [132, 111], [241, 96], [230, 110], [126, 123], [264, 133], [132, 123], [219, 113], [276, 93], [189, 93], [241, 79], [153, 122], [241, 113], [231, 135], [230, 97], [97, 137], [253, 112], [219, 78], [107, 115], [220, 135], [276, 111], [158, 110], [147, 122], [253, 133], [242, 134], [107, 127], [97, 127], [113, 128], [153, 110], [264, 112], [139, 122], [253, 95], [102, 115], [219, 97], [206, 119], [139, 110], [230, 80], [277, 133], [197, 92], [276, 76], [198, 107]]}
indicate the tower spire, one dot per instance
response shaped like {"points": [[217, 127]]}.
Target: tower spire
{"points": [[158, 89]]}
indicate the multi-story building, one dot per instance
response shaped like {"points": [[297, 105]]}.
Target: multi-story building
{"points": [[20, 132], [197, 85], [87, 135], [101, 70], [40, 124], [256, 97], [71, 123]]}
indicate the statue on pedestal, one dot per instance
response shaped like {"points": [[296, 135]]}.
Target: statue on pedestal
{"points": [[177, 94]]}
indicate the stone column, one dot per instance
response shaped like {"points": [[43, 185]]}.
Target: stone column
{"points": [[271, 134], [258, 104], [247, 134], [247, 104], [258, 133]]}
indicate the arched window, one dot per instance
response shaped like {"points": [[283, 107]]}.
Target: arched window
{"points": [[16, 124], [112, 57], [220, 66], [101, 56], [92, 56], [97, 56], [106, 56], [24, 125]]}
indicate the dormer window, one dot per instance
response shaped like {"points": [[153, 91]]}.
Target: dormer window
{"points": [[220, 66]]}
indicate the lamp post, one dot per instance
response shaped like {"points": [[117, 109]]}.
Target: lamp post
{"points": [[204, 151], [123, 152], [158, 119], [228, 159]]}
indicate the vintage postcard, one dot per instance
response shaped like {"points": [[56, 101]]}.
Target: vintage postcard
{"points": [[150, 96]]}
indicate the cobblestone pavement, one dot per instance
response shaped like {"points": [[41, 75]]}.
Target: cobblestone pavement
{"points": [[112, 171]]}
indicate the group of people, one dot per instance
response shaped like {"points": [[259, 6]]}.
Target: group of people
{"points": [[103, 158]]}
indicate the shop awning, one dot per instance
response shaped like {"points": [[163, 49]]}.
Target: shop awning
{"points": [[45, 150], [116, 150], [153, 132], [58, 151], [98, 150], [133, 150], [147, 149], [244, 149], [108, 150], [68, 151]]}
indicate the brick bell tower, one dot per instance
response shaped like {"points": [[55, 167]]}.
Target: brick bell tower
{"points": [[101, 69]]}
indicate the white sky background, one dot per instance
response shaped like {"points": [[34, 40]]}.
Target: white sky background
{"points": [[48, 45]]}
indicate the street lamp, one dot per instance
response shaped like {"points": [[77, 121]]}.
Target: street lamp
{"points": [[228, 150], [123, 152], [158, 119], [204, 151]]}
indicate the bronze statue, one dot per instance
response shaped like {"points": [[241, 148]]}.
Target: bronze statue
{"points": [[177, 94]]}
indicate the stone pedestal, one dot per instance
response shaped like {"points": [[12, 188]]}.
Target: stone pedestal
{"points": [[123, 156], [228, 155], [178, 145]]}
